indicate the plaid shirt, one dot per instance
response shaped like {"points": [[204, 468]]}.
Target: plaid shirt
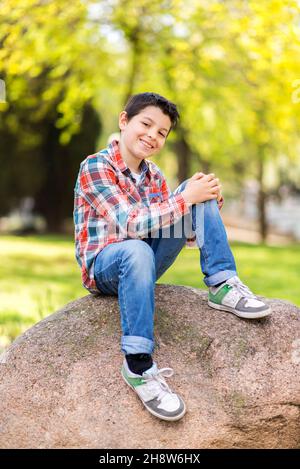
{"points": [[110, 207]]}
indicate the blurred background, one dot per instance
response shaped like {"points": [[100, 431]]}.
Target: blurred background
{"points": [[66, 71]]}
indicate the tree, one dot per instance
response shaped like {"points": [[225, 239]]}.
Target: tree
{"points": [[265, 43], [50, 91]]}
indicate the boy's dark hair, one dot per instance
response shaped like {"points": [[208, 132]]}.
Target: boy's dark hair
{"points": [[139, 101]]}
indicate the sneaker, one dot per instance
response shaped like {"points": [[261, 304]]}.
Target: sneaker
{"points": [[154, 392], [235, 297]]}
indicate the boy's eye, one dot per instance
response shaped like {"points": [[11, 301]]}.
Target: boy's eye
{"points": [[148, 125]]}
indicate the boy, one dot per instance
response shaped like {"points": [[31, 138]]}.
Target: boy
{"points": [[121, 200]]}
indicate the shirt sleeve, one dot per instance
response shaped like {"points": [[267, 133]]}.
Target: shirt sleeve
{"points": [[220, 202], [99, 187], [165, 190]]}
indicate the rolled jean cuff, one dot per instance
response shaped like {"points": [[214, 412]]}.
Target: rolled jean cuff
{"points": [[136, 344], [219, 277]]}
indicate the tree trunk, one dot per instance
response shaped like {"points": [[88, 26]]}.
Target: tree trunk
{"points": [[135, 46], [49, 200], [262, 198], [183, 154], [54, 200]]}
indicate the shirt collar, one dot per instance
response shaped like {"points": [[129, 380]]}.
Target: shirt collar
{"points": [[118, 162]]}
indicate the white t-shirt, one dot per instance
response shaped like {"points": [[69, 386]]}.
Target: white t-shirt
{"points": [[136, 176]]}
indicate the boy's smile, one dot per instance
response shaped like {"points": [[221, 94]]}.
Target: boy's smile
{"points": [[143, 135], [146, 145]]}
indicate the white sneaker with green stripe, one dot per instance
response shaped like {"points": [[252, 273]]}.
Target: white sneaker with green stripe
{"points": [[154, 392], [235, 297]]}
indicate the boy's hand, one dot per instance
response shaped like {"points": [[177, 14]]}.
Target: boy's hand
{"points": [[196, 176], [201, 187], [220, 198]]}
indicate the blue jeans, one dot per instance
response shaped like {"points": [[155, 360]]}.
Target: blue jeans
{"points": [[130, 268]]}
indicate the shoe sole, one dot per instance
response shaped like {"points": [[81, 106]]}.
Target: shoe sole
{"points": [[162, 417], [241, 314]]}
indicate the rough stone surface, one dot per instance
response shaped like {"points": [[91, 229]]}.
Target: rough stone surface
{"points": [[60, 382]]}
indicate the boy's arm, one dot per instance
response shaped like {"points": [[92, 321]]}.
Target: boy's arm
{"points": [[99, 187], [166, 193]]}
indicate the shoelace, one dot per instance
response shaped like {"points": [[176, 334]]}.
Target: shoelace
{"points": [[158, 380], [241, 287]]}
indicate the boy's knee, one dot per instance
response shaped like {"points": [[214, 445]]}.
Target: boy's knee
{"points": [[211, 205], [181, 187], [139, 251]]}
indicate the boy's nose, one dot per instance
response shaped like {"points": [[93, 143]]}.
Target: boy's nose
{"points": [[151, 134]]}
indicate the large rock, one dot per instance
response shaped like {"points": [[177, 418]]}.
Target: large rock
{"points": [[60, 382]]}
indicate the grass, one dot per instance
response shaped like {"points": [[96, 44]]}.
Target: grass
{"points": [[268, 270], [39, 274]]}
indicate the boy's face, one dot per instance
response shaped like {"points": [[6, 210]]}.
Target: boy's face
{"points": [[145, 134]]}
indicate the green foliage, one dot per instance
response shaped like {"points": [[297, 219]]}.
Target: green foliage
{"points": [[42, 46], [232, 67]]}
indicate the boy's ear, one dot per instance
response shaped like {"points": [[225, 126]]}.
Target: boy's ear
{"points": [[123, 120]]}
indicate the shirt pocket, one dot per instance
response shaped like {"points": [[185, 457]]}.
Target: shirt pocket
{"points": [[154, 195]]}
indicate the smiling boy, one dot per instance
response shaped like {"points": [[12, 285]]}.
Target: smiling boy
{"points": [[129, 229]]}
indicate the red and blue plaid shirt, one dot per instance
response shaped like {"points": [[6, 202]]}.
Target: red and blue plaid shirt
{"points": [[110, 207]]}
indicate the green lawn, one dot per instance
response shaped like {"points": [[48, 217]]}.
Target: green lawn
{"points": [[39, 274]]}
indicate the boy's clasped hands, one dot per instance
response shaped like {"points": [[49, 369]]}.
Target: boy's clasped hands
{"points": [[202, 187]]}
